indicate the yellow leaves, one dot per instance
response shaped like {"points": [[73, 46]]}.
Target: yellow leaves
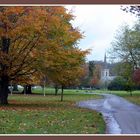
{"points": [[43, 39], [25, 20], [65, 65]]}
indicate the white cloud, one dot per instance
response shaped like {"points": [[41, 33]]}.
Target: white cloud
{"points": [[100, 23]]}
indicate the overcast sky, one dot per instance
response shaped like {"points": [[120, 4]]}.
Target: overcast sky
{"points": [[99, 24]]}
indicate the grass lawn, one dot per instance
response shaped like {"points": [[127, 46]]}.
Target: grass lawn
{"points": [[135, 98], [38, 114]]}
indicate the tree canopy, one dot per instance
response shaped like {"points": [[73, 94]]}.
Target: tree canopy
{"points": [[37, 42], [134, 9], [126, 47]]}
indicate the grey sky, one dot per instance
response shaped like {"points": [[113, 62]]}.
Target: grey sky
{"points": [[99, 24]]}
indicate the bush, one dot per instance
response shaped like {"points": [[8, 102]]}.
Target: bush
{"points": [[119, 83]]}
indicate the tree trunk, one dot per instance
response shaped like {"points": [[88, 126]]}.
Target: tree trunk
{"points": [[56, 90], [4, 77], [15, 88], [27, 89], [4, 90], [130, 93], [24, 89], [62, 93]]}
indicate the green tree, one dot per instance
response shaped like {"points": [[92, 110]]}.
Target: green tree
{"points": [[117, 84], [126, 47]]}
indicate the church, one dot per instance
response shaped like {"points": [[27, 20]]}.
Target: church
{"points": [[106, 75], [106, 72]]}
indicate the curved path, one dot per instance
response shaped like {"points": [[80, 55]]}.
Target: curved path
{"points": [[121, 116]]}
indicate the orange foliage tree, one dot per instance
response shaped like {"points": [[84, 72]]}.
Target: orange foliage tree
{"points": [[21, 31], [66, 68], [32, 38], [136, 76], [96, 76], [63, 59]]}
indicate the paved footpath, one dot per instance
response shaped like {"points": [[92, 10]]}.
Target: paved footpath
{"points": [[121, 116]]}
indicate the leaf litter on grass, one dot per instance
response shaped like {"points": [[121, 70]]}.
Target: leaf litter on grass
{"points": [[48, 117]]}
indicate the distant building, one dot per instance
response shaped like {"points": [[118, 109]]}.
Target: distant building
{"points": [[106, 76], [103, 74], [107, 73]]}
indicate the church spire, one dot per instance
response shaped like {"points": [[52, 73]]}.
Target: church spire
{"points": [[105, 62], [105, 58]]}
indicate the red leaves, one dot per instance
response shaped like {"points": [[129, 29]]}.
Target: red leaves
{"points": [[136, 76]]}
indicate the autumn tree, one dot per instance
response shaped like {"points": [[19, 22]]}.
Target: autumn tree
{"points": [[27, 35], [65, 66], [20, 33], [96, 75], [136, 76], [63, 60], [38, 42], [67, 69], [87, 79], [84, 80]]}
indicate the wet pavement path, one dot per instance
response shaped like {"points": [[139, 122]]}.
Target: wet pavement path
{"points": [[121, 116]]}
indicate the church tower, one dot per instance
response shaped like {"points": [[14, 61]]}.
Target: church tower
{"points": [[105, 70], [105, 73]]}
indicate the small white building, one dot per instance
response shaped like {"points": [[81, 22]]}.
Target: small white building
{"points": [[106, 77]]}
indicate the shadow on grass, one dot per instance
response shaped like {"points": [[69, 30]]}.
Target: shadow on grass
{"points": [[50, 105], [40, 102], [42, 94]]}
